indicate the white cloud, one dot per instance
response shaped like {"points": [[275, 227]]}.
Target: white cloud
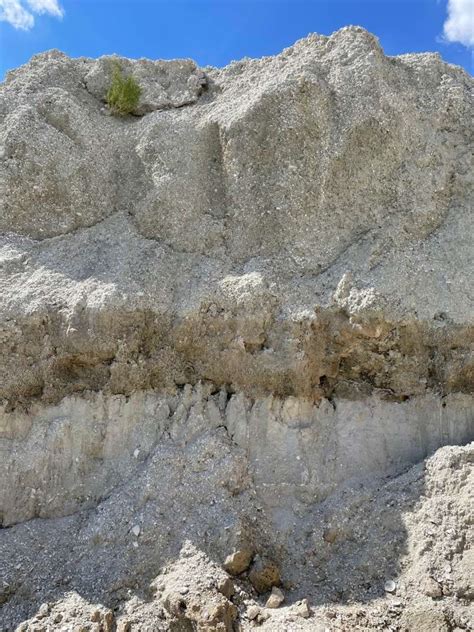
{"points": [[459, 25], [46, 6], [11, 11], [20, 17]]}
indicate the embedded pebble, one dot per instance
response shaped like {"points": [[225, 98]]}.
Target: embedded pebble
{"points": [[253, 612], [276, 598]]}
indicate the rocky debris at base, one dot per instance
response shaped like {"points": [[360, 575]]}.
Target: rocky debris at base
{"points": [[276, 598], [302, 609], [238, 562], [264, 574], [253, 612], [226, 587], [431, 588], [433, 500]]}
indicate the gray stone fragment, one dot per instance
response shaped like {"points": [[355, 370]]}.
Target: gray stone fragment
{"points": [[275, 599], [238, 562]]}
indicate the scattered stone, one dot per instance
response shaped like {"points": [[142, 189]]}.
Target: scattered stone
{"points": [[302, 609], [123, 626], [108, 621], [431, 588], [276, 598], [330, 535], [136, 453], [96, 615], [226, 587], [264, 574], [136, 530], [43, 611], [253, 612], [390, 586], [238, 562], [263, 616]]}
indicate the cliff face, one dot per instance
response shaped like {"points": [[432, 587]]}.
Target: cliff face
{"points": [[249, 296]]}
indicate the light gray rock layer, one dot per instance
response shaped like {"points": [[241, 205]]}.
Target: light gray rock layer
{"points": [[58, 459]]}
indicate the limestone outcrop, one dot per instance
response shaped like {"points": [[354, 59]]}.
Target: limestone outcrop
{"points": [[222, 316]]}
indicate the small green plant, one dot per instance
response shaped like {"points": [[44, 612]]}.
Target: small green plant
{"points": [[124, 92]]}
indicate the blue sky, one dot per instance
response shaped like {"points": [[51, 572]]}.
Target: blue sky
{"points": [[217, 31]]}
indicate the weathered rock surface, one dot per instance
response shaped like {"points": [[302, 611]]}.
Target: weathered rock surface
{"points": [[232, 322], [411, 527], [302, 228]]}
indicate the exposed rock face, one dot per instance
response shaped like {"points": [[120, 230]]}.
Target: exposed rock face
{"points": [[223, 312]]}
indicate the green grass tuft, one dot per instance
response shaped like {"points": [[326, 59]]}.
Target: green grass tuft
{"points": [[123, 94]]}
